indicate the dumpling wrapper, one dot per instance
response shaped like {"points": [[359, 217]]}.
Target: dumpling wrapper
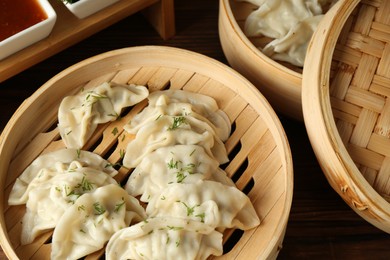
{"points": [[179, 103], [173, 164], [209, 202], [52, 193], [165, 238], [293, 46], [55, 162], [79, 115], [290, 23], [87, 225], [169, 131], [275, 18]]}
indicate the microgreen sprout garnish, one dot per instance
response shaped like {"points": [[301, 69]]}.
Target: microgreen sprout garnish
{"points": [[68, 190], [174, 228], [81, 207], [180, 176], [74, 193], [68, 133], [177, 122], [115, 115], [115, 131], [190, 210], [182, 171], [93, 97], [119, 205], [157, 118], [82, 231], [78, 152], [173, 164], [178, 243], [122, 153], [189, 168], [99, 209], [201, 216], [85, 185]]}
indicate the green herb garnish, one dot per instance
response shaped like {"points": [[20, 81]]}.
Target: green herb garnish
{"points": [[190, 210], [119, 205], [93, 98], [174, 228], [173, 164], [115, 131], [99, 209], [201, 216], [177, 122], [85, 185]]}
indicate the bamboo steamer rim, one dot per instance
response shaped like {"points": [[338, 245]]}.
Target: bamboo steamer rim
{"points": [[278, 82], [337, 164], [180, 58]]}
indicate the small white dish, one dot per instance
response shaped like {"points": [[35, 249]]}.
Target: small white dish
{"points": [[31, 34], [84, 8]]}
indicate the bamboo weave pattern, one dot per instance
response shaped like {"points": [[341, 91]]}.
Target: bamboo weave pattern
{"points": [[360, 91]]}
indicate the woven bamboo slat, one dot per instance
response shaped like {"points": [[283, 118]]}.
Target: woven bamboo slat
{"points": [[260, 158], [348, 115]]}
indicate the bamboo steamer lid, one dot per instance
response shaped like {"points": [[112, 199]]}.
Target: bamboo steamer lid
{"points": [[346, 105]]}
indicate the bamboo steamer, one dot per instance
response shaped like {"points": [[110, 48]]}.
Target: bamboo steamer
{"points": [[346, 105], [260, 157], [279, 82]]}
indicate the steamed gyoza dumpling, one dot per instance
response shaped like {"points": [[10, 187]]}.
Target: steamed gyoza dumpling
{"points": [[51, 193], [165, 238], [209, 202], [201, 104], [173, 164], [59, 161], [275, 18], [89, 223], [168, 131], [183, 103], [79, 115], [293, 46], [289, 23]]}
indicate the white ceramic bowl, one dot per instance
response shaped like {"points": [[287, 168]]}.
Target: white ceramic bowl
{"points": [[84, 8], [31, 34]]}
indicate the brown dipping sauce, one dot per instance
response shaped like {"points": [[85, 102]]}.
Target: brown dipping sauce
{"points": [[17, 15]]}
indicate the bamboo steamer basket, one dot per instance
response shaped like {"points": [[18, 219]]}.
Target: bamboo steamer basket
{"points": [[260, 157], [346, 105], [279, 82]]}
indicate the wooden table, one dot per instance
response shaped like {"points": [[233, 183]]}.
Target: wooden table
{"points": [[321, 225]]}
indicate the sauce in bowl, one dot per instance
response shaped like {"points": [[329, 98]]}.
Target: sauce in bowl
{"points": [[17, 15]]}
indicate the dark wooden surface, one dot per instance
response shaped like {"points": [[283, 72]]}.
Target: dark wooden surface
{"points": [[321, 225]]}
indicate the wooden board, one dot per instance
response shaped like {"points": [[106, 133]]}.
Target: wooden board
{"points": [[69, 30]]}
